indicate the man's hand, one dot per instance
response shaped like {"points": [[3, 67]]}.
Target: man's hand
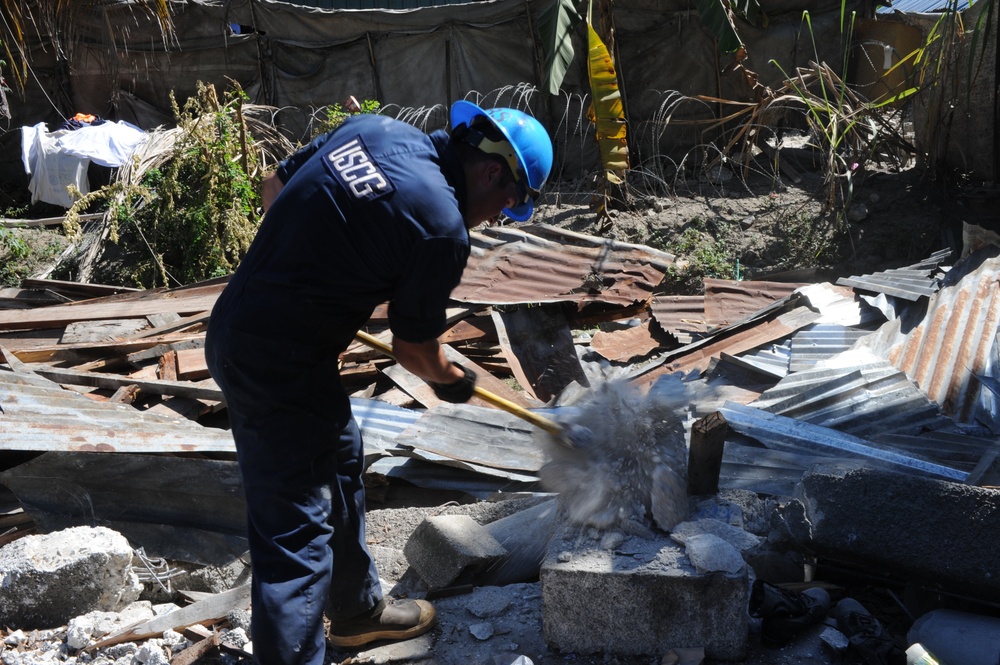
{"points": [[458, 392]]}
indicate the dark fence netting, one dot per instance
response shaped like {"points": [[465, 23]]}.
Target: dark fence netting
{"points": [[118, 64]]}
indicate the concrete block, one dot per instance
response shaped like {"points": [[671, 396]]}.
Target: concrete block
{"points": [[49, 579], [940, 533], [641, 597], [444, 547]]}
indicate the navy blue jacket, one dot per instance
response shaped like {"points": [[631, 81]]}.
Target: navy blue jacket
{"points": [[369, 213]]}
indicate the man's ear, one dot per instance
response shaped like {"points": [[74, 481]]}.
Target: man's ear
{"points": [[492, 172]]}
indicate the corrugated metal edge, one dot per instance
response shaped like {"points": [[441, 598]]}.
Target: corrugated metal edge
{"points": [[511, 266], [955, 340], [911, 282]]}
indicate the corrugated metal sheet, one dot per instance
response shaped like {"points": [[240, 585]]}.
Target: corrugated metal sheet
{"points": [[955, 340], [792, 435], [911, 283], [819, 342], [41, 416], [728, 301], [865, 397], [475, 435], [681, 316], [542, 263], [775, 322], [922, 6], [773, 361]]}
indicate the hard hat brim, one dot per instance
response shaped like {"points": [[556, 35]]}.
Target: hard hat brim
{"points": [[521, 212], [463, 112]]}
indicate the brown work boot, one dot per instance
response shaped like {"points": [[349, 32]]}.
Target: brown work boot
{"points": [[389, 620]]}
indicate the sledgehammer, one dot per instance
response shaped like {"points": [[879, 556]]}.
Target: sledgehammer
{"points": [[570, 436]]}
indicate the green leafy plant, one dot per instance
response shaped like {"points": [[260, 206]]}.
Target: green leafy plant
{"points": [[706, 252], [24, 253], [335, 114], [191, 218]]}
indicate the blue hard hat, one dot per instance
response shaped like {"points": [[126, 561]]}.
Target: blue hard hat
{"points": [[531, 160]]}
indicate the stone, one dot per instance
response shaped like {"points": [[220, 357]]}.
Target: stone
{"points": [[642, 598], [710, 553], [49, 579], [733, 535], [443, 547]]}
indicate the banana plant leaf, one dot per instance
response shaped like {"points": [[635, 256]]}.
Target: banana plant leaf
{"points": [[717, 18], [606, 110], [556, 24]]}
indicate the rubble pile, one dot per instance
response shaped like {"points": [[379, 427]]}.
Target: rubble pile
{"points": [[811, 436]]}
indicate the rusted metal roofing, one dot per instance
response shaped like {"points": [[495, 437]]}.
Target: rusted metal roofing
{"points": [[955, 340], [541, 263], [38, 415], [728, 301], [910, 283], [681, 316], [775, 322]]}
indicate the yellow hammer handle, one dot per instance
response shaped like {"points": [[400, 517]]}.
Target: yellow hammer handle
{"points": [[541, 422]]}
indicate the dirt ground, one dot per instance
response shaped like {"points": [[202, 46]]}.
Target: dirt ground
{"points": [[738, 225]]}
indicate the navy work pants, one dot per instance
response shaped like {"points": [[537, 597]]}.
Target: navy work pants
{"points": [[301, 459]]}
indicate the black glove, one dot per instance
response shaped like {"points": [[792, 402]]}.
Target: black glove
{"points": [[460, 391]]}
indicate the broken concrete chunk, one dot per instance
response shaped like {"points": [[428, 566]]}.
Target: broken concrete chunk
{"points": [[908, 524], [443, 547], [644, 597], [737, 537], [490, 601], [710, 554], [668, 497], [87, 628], [49, 579]]}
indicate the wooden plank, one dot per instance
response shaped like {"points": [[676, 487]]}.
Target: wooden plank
{"points": [[191, 364], [11, 223], [424, 394], [30, 351], [708, 438], [126, 394], [178, 324], [167, 366], [187, 303], [209, 610], [114, 382], [154, 352], [474, 328], [76, 290], [106, 330]]}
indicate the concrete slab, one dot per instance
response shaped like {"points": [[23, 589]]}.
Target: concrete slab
{"points": [[935, 532], [642, 596], [444, 547]]}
